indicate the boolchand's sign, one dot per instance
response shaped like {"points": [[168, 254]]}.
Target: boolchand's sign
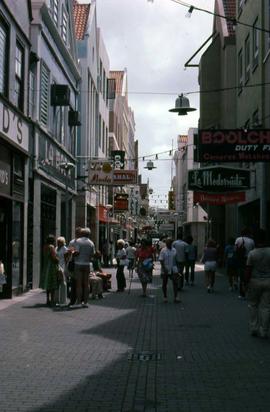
{"points": [[233, 145], [218, 179]]}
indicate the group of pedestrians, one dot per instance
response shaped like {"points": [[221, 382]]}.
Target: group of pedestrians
{"points": [[75, 270]]}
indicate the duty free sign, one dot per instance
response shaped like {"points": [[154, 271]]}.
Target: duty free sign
{"points": [[233, 145]]}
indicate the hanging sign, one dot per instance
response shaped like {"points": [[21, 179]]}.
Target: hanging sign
{"points": [[233, 145], [100, 172], [124, 177], [218, 179], [118, 157], [120, 202], [219, 199]]}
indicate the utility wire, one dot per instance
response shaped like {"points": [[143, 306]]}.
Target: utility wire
{"points": [[233, 20]]}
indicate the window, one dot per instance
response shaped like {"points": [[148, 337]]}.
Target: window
{"points": [[255, 36], [100, 131], [247, 59], [31, 94], [19, 76], [64, 25], [54, 6], [44, 94], [240, 69], [104, 85], [3, 59]]}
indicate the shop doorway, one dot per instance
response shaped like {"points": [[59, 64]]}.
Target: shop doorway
{"points": [[5, 250]]}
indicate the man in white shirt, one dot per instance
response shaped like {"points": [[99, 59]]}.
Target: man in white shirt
{"points": [[243, 245], [180, 247], [169, 269]]}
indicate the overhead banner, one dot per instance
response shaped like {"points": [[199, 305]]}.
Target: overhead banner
{"points": [[218, 179], [219, 199], [233, 145]]}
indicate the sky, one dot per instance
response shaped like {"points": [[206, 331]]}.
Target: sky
{"points": [[153, 40]]}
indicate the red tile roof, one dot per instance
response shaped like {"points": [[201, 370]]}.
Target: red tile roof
{"points": [[230, 12], [81, 14], [118, 76]]}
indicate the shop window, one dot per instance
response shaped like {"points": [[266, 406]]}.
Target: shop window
{"points": [[17, 222], [3, 58]]}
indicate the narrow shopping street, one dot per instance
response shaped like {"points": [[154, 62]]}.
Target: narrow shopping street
{"points": [[126, 353]]}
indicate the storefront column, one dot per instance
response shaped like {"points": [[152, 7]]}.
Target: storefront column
{"points": [[58, 214], [36, 233], [25, 223]]}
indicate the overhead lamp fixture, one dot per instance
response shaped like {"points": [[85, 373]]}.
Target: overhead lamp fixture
{"points": [[156, 157], [189, 13], [182, 106], [150, 165]]}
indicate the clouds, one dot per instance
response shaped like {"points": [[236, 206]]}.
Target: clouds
{"points": [[154, 40]]}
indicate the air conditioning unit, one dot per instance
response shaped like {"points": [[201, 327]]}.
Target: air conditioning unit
{"points": [[60, 95], [74, 118]]}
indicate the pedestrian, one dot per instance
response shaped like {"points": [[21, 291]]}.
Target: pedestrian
{"points": [[145, 263], [131, 256], [95, 283], [61, 251], [180, 247], [84, 253], [191, 257], [243, 245], [70, 261], [231, 264], [121, 258], [210, 264], [48, 279], [97, 268], [257, 279], [169, 269]]}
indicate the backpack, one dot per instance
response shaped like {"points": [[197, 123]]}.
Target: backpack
{"points": [[240, 251]]}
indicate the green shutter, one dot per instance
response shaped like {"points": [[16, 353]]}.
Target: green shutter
{"points": [[44, 94]]}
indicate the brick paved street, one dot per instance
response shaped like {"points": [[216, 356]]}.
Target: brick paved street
{"points": [[195, 356]]}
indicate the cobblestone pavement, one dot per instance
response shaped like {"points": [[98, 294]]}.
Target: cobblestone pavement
{"points": [[130, 354]]}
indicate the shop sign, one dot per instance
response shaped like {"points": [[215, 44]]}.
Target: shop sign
{"points": [[219, 199], [13, 127], [218, 179], [120, 202], [4, 178], [124, 177], [51, 157], [100, 172], [234, 145]]}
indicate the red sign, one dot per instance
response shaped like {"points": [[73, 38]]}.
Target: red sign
{"points": [[219, 199]]}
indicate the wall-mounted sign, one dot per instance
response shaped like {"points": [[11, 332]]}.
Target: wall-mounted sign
{"points": [[13, 127], [50, 159], [233, 145], [120, 202], [219, 199], [218, 179]]}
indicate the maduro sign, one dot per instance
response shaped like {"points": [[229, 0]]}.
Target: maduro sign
{"points": [[234, 145], [219, 199], [218, 179]]}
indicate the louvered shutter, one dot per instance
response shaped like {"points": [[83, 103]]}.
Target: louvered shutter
{"points": [[3, 54], [44, 95]]}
